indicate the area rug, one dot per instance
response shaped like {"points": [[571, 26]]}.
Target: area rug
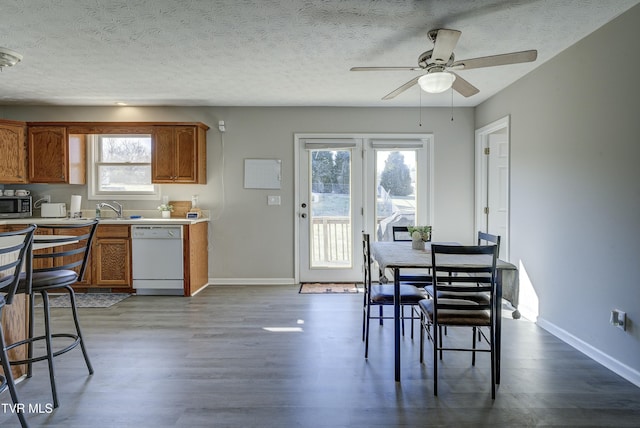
{"points": [[330, 288], [87, 300]]}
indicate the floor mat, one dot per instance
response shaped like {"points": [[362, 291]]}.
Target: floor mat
{"points": [[330, 288], [87, 300]]}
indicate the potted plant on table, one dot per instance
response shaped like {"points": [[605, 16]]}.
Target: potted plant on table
{"points": [[419, 235], [165, 210]]}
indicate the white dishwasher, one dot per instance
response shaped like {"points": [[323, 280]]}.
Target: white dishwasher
{"points": [[157, 260]]}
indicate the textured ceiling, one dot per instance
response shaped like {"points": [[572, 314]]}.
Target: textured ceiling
{"points": [[270, 52]]}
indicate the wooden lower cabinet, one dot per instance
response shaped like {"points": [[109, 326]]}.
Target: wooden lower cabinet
{"points": [[111, 257], [196, 264]]}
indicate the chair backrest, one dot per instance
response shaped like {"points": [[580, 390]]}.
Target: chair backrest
{"points": [[366, 255], [464, 271], [15, 252], [72, 249], [401, 233], [487, 238]]}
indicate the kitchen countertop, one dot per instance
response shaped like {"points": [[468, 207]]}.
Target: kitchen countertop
{"points": [[106, 220]]}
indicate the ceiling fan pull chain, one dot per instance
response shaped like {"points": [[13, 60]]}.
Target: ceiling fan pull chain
{"points": [[452, 104], [420, 108]]}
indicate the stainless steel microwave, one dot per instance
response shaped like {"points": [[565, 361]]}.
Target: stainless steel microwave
{"points": [[15, 206]]}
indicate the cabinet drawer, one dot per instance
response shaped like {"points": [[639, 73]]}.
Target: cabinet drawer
{"points": [[112, 231]]}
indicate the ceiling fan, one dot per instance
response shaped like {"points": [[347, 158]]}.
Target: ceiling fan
{"points": [[440, 61]]}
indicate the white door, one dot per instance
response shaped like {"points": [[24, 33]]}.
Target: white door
{"points": [[498, 185], [492, 189], [330, 209]]}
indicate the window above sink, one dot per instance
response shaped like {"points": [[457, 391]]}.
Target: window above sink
{"points": [[119, 167]]}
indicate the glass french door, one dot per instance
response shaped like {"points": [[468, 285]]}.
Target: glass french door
{"points": [[330, 210], [350, 185], [400, 185]]}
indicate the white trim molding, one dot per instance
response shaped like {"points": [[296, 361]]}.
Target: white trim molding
{"points": [[597, 355], [252, 281]]}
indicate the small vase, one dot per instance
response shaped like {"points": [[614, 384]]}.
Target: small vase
{"points": [[166, 214], [417, 244]]}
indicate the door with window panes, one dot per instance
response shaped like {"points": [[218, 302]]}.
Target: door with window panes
{"points": [[347, 186]]}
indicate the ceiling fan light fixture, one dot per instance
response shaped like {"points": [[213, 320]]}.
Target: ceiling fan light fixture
{"points": [[436, 81], [9, 58]]}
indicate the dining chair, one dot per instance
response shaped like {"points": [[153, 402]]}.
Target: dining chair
{"points": [[15, 255], [381, 295], [483, 239], [57, 269], [400, 233], [465, 271]]}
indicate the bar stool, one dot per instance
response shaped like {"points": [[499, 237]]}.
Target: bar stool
{"points": [[12, 258], [57, 269]]}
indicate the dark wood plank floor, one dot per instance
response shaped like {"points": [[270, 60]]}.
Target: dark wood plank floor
{"points": [[208, 361]]}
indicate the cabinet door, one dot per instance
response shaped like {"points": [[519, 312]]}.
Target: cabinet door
{"points": [[13, 162], [112, 262], [185, 156], [48, 154], [163, 155], [112, 256], [178, 155]]}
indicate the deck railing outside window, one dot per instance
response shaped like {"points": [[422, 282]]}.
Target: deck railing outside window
{"points": [[331, 241]]}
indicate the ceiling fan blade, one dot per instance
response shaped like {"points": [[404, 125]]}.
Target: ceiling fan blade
{"points": [[401, 89], [463, 87], [384, 68], [494, 60], [445, 42]]}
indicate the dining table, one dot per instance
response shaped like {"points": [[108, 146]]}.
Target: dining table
{"points": [[399, 255]]}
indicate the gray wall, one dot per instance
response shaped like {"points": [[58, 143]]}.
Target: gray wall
{"points": [[250, 241], [575, 189]]}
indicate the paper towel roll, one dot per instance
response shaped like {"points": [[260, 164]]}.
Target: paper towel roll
{"points": [[76, 201]]}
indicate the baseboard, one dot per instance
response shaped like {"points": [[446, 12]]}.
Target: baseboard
{"points": [[612, 364], [251, 281]]}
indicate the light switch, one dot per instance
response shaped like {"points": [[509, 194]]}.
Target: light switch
{"points": [[273, 200]]}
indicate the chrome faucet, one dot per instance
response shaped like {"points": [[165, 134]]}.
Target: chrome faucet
{"points": [[117, 209]]}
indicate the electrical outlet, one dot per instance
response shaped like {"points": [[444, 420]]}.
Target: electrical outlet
{"points": [[46, 198], [619, 319]]}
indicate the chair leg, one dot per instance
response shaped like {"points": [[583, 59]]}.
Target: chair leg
{"points": [[8, 375], [364, 314], [74, 310], [366, 341], [31, 332], [436, 337], [48, 341], [422, 327], [473, 346], [493, 366], [413, 312]]}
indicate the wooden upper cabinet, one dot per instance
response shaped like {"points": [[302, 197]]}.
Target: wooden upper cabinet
{"points": [[56, 157], [179, 154], [13, 152]]}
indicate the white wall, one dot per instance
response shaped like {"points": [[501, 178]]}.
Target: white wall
{"points": [[575, 202], [255, 242]]}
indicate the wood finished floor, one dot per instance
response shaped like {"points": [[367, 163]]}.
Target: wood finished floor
{"points": [[207, 361]]}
